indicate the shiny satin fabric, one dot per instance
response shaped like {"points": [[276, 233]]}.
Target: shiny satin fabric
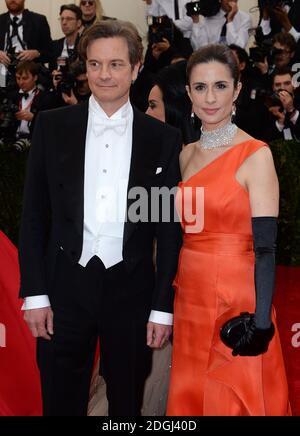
{"points": [[20, 392], [214, 282]]}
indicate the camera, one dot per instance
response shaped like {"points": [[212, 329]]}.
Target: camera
{"points": [[8, 110], [66, 79], [207, 8], [160, 28], [269, 97], [263, 49], [273, 99]]}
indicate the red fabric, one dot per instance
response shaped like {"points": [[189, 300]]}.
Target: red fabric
{"points": [[19, 377], [287, 303]]}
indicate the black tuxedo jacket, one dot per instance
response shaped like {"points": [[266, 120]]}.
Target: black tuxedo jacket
{"points": [[54, 203], [36, 33], [57, 48]]}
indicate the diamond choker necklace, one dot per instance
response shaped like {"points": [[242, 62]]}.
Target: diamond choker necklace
{"points": [[219, 137]]}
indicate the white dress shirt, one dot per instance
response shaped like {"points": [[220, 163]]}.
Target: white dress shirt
{"points": [[107, 165], [66, 48], [208, 30], [266, 26], [26, 105], [15, 43], [166, 7], [287, 134]]}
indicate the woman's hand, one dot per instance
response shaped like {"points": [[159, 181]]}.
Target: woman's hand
{"points": [[254, 342]]}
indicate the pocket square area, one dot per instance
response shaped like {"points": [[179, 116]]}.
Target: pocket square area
{"points": [[158, 170]]}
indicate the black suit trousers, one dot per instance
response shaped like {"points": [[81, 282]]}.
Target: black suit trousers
{"points": [[94, 303]]}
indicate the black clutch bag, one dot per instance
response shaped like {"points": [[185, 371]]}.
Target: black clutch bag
{"points": [[235, 328]]}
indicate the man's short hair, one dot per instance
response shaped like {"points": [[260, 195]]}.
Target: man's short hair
{"points": [[285, 39], [28, 67], [281, 71], [73, 8], [113, 29]]}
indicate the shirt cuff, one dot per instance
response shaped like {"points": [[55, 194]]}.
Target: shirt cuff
{"points": [[279, 126], [266, 26], [36, 302], [295, 117], [294, 33], [158, 317]]}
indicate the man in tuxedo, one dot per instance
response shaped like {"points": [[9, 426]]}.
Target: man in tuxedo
{"points": [[174, 9], [284, 121], [71, 21], [86, 257], [229, 26], [23, 33]]}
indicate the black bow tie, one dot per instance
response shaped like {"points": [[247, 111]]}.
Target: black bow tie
{"points": [[25, 95]]}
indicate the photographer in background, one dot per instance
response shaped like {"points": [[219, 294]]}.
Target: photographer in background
{"points": [[164, 42], [250, 113], [70, 87], [175, 10], [229, 26], [283, 107], [280, 15], [24, 36], [24, 104], [70, 17], [266, 59]]}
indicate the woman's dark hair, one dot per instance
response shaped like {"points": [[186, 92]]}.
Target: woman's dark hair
{"points": [[171, 80], [214, 53]]}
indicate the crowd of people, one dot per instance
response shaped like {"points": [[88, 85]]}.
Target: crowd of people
{"points": [[210, 110], [53, 75]]}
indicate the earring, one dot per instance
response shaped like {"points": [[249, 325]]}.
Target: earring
{"points": [[192, 118], [233, 113]]}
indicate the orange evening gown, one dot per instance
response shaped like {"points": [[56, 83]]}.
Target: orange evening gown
{"points": [[214, 282]]}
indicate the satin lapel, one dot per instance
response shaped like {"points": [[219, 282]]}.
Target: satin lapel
{"points": [[4, 28], [144, 157], [26, 28], [72, 161]]}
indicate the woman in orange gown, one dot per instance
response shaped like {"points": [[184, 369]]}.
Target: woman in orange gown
{"points": [[215, 278]]}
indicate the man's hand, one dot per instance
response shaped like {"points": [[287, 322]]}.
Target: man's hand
{"points": [[280, 116], [40, 322], [287, 100], [159, 47], [158, 334], [262, 66], [195, 18], [24, 115], [4, 58], [28, 55], [282, 16], [70, 100], [233, 11]]}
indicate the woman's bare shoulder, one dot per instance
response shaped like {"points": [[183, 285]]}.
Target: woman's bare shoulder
{"points": [[242, 136]]}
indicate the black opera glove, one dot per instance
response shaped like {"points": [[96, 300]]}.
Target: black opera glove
{"points": [[250, 334], [254, 341]]}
